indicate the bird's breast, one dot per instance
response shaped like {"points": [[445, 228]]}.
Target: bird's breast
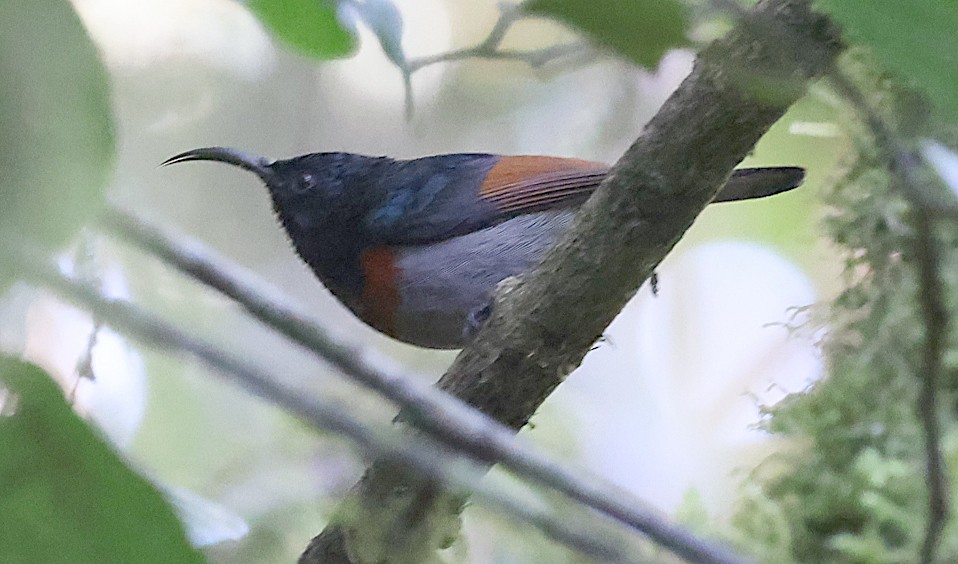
{"points": [[379, 299], [423, 294]]}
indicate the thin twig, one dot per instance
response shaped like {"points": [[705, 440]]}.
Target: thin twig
{"points": [[446, 418], [903, 165], [936, 325], [85, 267], [424, 456], [84, 367], [533, 57], [489, 48]]}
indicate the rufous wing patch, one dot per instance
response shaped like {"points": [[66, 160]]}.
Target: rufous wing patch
{"points": [[529, 183], [380, 295]]}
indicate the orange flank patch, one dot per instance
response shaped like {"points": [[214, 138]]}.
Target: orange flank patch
{"points": [[511, 172], [380, 296]]}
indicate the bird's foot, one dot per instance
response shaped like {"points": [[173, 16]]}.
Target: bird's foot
{"points": [[475, 320]]}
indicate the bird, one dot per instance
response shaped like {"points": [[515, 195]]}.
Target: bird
{"points": [[416, 247]]}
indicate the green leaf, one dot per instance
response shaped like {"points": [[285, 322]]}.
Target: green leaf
{"points": [[640, 30], [915, 39], [56, 125], [67, 497], [310, 27]]}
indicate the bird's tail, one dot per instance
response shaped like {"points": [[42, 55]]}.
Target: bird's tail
{"points": [[750, 183]]}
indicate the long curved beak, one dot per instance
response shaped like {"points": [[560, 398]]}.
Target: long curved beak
{"points": [[260, 166]]}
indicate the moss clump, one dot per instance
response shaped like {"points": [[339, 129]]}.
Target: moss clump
{"points": [[858, 492]]}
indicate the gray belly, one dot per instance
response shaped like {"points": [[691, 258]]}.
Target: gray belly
{"points": [[440, 284]]}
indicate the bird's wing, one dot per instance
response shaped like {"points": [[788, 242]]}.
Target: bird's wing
{"points": [[569, 182], [451, 195], [527, 184]]}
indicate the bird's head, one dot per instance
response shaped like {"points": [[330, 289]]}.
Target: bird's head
{"points": [[308, 191]]}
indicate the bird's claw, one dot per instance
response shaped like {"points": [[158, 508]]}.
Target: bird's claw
{"points": [[475, 320]]}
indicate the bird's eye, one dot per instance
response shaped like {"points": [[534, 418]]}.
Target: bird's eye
{"points": [[306, 182]]}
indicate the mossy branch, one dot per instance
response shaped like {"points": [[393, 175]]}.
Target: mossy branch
{"points": [[904, 166]]}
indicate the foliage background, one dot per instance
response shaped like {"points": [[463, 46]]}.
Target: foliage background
{"points": [[666, 407]]}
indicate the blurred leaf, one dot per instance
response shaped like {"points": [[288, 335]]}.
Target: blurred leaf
{"points": [[641, 30], [56, 128], [384, 19], [207, 523], [915, 39], [67, 497], [310, 27], [944, 161]]}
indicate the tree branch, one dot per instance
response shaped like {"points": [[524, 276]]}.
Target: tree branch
{"points": [[543, 324]]}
